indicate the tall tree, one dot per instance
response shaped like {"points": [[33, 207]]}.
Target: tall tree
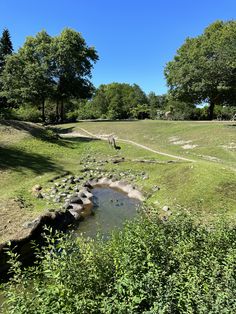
{"points": [[6, 49], [27, 76], [204, 68], [56, 68], [73, 62]]}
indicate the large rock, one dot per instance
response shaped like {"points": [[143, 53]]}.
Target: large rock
{"points": [[76, 200]]}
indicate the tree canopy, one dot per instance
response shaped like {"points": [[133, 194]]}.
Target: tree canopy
{"points": [[204, 68], [118, 100], [6, 49], [48, 67]]}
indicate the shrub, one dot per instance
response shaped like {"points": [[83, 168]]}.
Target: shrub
{"points": [[27, 113], [149, 267]]}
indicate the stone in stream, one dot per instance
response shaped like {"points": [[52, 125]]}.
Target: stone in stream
{"points": [[76, 200], [67, 206]]}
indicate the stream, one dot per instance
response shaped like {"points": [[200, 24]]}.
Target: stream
{"points": [[112, 208]]}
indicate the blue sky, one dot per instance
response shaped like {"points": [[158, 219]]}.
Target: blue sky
{"points": [[134, 38]]}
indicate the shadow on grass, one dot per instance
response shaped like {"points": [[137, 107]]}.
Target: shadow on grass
{"points": [[47, 134], [63, 130], [12, 158], [80, 139]]}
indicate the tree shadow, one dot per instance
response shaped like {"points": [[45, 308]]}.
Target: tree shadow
{"points": [[13, 158], [82, 139], [63, 130], [47, 134]]}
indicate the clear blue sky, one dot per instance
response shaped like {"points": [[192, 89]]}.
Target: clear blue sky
{"points": [[134, 38]]}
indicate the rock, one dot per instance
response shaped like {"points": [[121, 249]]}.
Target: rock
{"points": [[57, 199], [31, 224], [54, 190], [39, 195], [67, 205], [68, 188], [76, 200], [63, 194], [76, 189], [75, 214], [165, 208], [87, 184], [164, 218], [37, 188], [156, 188]]}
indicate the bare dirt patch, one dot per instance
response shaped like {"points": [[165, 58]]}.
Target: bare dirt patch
{"points": [[12, 218], [189, 146]]}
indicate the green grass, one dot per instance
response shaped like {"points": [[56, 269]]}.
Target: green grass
{"points": [[31, 155], [213, 139]]}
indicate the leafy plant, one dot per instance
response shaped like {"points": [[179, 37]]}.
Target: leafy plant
{"points": [[149, 267]]}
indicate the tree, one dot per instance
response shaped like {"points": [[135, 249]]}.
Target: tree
{"points": [[6, 49], [73, 62], [156, 103], [204, 68], [54, 68], [119, 101], [27, 76]]}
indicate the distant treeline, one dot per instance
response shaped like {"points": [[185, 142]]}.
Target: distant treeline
{"points": [[48, 80]]}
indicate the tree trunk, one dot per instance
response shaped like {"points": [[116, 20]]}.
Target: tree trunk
{"points": [[57, 111], [43, 110], [211, 110], [62, 110]]}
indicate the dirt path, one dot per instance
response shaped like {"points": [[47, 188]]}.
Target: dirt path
{"points": [[104, 137]]}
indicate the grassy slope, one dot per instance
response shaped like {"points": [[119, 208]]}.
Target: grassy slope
{"points": [[29, 156], [208, 186]]}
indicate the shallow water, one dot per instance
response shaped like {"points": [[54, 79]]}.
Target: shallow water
{"points": [[112, 209]]}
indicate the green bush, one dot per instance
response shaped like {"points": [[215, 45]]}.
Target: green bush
{"points": [[27, 113], [149, 267]]}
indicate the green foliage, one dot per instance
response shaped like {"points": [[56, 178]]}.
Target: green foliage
{"points": [[156, 103], [149, 267], [27, 113], [119, 101], [50, 69], [181, 110], [6, 47], [203, 69], [5, 50]]}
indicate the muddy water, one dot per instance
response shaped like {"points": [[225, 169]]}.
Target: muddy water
{"points": [[112, 208]]}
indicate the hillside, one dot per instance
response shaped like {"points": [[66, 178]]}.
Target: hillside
{"points": [[32, 155]]}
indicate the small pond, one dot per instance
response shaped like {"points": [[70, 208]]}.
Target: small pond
{"points": [[112, 208]]}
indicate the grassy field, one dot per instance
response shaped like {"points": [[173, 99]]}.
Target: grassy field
{"points": [[31, 155]]}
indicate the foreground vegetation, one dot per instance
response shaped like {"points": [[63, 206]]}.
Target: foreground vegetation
{"points": [[149, 267]]}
